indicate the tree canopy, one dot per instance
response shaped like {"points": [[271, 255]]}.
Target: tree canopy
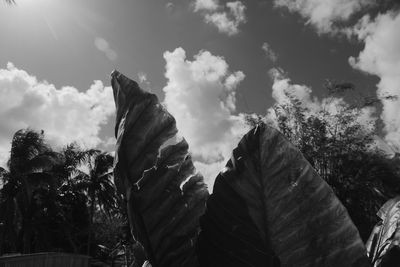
{"points": [[57, 201]]}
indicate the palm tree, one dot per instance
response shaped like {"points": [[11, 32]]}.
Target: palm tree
{"points": [[94, 177], [72, 196], [30, 166], [8, 214]]}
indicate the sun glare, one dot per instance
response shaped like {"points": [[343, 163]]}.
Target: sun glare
{"points": [[27, 2], [34, 4]]}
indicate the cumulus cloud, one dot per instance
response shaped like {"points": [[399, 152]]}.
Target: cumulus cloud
{"points": [[200, 94], [381, 57], [269, 53], [169, 5], [103, 46], [324, 15], [226, 18], [283, 87], [142, 77], [65, 114], [208, 5]]}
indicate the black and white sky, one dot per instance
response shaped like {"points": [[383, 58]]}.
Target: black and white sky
{"points": [[209, 61]]}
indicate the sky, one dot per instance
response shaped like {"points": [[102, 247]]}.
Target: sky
{"points": [[210, 62]]}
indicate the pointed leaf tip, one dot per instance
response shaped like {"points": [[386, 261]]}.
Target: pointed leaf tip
{"points": [[114, 73], [120, 82]]}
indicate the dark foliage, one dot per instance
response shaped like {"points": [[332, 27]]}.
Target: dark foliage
{"points": [[340, 147], [49, 200], [270, 208]]}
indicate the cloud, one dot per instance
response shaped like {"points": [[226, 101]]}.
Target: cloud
{"points": [[103, 46], [283, 87], [271, 55], [200, 94], [142, 77], [226, 18], [64, 114], [381, 57], [208, 5], [169, 6], [324, 15]]}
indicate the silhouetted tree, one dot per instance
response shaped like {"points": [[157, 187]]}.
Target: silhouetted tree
{"points": [[95, 179], [48, 199], [29, 177]]}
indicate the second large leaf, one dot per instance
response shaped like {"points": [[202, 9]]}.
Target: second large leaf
{"points": [[270, 208]]}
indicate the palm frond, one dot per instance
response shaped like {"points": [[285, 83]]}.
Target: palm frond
{"points": [[44, 161], [25, 146], [103, 164], [89, 156]]}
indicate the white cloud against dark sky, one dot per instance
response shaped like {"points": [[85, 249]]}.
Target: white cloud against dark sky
{"points": [[324, 15], [207, 60], [380, 36], [226, 17], [200, 94], [207, 5], [283, 87], [381, 57], [65, 114], [269, 52], [103, 46]]}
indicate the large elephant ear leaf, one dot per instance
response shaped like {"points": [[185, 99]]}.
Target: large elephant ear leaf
{"points": [[154, 170], [270, 208]]}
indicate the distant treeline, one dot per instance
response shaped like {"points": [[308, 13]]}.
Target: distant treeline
{"points": [[59, 201]]}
